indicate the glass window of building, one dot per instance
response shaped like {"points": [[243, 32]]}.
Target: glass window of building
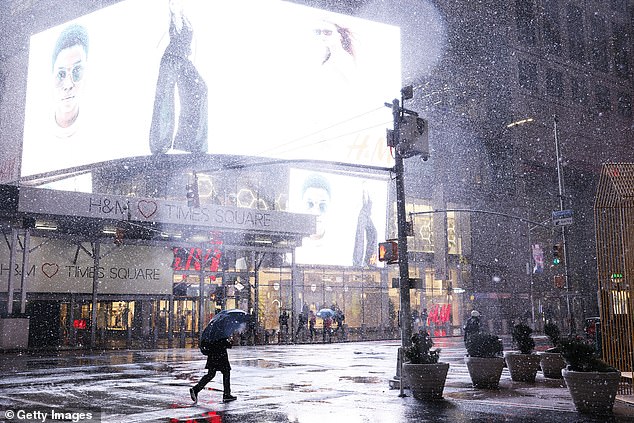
{"points": [[525, 13], [578, 90], [599, 44], [621, 50], [554, 83], [552, 27], [602, 97], [527, 72], [619, 6], [575, 33], [625, 105]]}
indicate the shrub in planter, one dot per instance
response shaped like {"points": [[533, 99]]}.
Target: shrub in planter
{"points": [[523, 366], [551, 360], [484, 360], [420, 351], [422, 372], [592, 383]]}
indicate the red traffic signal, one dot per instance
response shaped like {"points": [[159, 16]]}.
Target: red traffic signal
{"points": [[388, 251]]}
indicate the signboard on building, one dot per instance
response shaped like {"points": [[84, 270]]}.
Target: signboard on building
{"points": [[59, 266], [105, 206]]}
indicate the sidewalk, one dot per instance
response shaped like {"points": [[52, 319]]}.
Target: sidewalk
{"points": [[339, 382]]}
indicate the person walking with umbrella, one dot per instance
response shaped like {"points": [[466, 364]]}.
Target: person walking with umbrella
{"points": [[214, 342], [217, 360]]}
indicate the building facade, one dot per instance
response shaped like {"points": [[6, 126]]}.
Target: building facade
{"points": [[498, 83]]}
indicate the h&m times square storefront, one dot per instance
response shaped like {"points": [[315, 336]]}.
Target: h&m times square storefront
{"points": [[142, 275], [149, 267]]}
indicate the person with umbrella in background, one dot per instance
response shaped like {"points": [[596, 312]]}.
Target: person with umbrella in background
{"points": [[214, 343], [326, 314]]}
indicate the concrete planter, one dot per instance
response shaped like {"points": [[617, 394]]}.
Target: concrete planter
{"points": [[523, 367], [552, 364], [14, 333], [592, 392], [485, 372], [426, 381]]}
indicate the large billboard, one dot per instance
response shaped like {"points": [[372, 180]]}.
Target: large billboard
{"points": [[250, 77], [350, 217]]}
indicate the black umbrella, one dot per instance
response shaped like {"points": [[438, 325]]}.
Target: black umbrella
{"points": [[224, 324]]}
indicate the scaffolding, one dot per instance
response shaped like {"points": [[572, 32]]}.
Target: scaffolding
{"points": [[614, 225]]}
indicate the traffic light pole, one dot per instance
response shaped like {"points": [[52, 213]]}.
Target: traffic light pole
{"points": [[401, 218], [560, 182]]}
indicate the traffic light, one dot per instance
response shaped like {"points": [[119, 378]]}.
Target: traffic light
{"points": [[558, 254], [193, 200], [388, 251], [413, 137]]}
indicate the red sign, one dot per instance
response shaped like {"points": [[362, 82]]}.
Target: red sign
{"points": [[192, 258], [79, 323]]}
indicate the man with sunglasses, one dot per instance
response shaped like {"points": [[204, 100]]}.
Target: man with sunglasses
{"points": [[69, 62]]}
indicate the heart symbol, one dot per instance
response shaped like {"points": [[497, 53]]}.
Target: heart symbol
{"points": [[146, 208], [50, 269]]}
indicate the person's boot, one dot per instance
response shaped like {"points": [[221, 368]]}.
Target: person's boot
{"points": [[228, 397], [194, 395]]}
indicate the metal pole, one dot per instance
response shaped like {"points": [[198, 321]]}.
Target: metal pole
{"points": [[530, 274], [25, 269], [95, 285], [201, 296], [405, 313], [12, 260], [560, 180]]}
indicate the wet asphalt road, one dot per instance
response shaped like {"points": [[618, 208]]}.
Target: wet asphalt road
{"points": [[339, 382]]}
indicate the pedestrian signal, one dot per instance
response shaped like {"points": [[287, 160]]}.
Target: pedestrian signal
{"points": [[560, 281], [388, 251]]}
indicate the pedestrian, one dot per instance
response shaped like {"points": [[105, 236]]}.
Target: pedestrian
{"points": [[339, 318], [217, 361], [327, 329], [301, 324], [312, 321], [284, 321], [472, 326], [423, 320]]}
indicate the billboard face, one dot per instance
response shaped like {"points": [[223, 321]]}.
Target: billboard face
{"points": [[248, 77], [350, 217]]}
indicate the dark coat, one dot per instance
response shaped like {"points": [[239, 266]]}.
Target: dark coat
{"points": [[218, 359], [472, 326]]}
